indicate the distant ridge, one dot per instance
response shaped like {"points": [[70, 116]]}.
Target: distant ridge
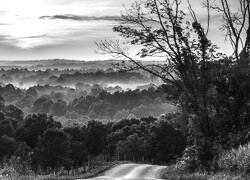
{"points": [[60, 64]]}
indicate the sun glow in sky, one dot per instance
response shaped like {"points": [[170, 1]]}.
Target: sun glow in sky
{"points": [[26, 34]]}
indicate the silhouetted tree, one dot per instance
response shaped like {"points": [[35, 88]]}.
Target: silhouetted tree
{"points": [[161, 29], [13, 113], [79, 153], [6, 127], [54, 149], [236, 25], [34, 126], [8, 146], [22, 158], [166, 143], [32, 92], [96, 135]]}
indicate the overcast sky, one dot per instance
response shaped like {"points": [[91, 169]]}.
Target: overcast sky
{"points": [[45, 29]]}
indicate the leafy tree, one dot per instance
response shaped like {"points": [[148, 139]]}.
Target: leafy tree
{"points": [[22, 158], [96, 89], [77, 133], [43, 104], [14, 113], [10, 116], [101, 109], [96, 135], [10, 88], [10, 93], [8, 146], [59, 108], [131, 148], [79, 153], [2, 116], [122, 114], [231, 102], [6, 127], [25, 102], [161, 29], [166, 143], [2, 102], [34, 126], [57, 95], [54, 149], [82, 104], [32, 92]]}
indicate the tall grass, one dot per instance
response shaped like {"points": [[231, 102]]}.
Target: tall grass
{"points": [[236, 160], [186, 177], [61, 175]]}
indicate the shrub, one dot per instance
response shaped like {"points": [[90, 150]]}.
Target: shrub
{"points": [[21, 160], [235, 159], [190, 159]]}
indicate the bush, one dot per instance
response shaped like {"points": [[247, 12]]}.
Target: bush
{"points": [[236, 159], [21, 160], [190, 159]]}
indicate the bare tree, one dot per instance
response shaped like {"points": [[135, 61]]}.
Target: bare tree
{"points": [[236, 24], [160, 29]]}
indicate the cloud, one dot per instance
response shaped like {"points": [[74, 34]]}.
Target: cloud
{"points": [[5, 37], [83, 18], [32, 37]]}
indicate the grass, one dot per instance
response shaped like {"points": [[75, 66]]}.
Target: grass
{"points": [[198, 176], [171, 173], [92, 173]]}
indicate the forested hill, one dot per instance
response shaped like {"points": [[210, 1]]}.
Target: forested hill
{"points": [[61, 64]]}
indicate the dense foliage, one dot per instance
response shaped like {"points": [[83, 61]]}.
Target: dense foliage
{"points": [[97, 103], [235, 159], [38, 142]]}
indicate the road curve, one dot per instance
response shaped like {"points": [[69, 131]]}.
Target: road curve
{"points": [[132, 172]]}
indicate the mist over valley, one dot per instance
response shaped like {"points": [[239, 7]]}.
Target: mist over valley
{"points": [[78, 91]]}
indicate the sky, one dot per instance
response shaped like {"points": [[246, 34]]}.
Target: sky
{"points": [[68, 29]]}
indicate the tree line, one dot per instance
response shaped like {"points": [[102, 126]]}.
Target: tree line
{"points": [[96, 104], [37, 142]]}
